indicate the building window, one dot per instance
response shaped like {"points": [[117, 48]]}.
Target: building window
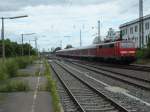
{"points": [[131, 30], [148, 37], [126, 31], [136, 28], [147, 26]]}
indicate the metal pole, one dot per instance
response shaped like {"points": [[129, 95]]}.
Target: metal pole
{"points": [[80, 38], [29, 48], [3, 40], [22, 45], [141, 29], [99, 32], [36, 46]]}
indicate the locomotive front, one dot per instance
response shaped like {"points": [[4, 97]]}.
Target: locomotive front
{"points": [[127, 51]]}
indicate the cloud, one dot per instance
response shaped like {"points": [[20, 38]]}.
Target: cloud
{"points": [[10, 5], [56, 19]]}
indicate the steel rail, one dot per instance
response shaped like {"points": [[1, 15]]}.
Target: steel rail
{"points": [[115, 104], [121, 66], [132, 77], [68, 91], [120, 79]]}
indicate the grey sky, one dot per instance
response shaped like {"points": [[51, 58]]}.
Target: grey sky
{"points": [[9, 5], [57, 18]]}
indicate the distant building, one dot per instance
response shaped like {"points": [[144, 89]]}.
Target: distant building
{"points": [[130, 30], [112, 34], [96, 40]]}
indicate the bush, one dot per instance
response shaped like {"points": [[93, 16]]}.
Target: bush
{"points": [[140, 53], [3, 74], [143, 53], [147, 53], [24, 61], [14, 86], [11, 67]]}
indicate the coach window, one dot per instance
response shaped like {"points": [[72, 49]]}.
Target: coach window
{"points": [[105, 46], [100, 46], [111, 45]]}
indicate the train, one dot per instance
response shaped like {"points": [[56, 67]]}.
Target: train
{"points": [[118, 51]]}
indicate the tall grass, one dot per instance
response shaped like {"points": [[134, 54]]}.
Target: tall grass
{"points": [[3, 74], [24, 61], [10, 66], [14, 86], [51, 86]]}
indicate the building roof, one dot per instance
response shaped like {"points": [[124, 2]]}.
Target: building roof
{"points": [[81, 48], [89, 47], [134, 21]]}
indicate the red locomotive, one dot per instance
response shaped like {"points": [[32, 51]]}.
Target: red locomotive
{"points": [[123, 51]]}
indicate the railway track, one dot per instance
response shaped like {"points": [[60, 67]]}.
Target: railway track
{"points": [[138, 82], [136, 67], [139, 67], [67, 100], [85, 97], [128, 67], [119, 73]]}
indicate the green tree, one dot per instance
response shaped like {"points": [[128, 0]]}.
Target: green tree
{"points": [[68, 47], [13, 49]]}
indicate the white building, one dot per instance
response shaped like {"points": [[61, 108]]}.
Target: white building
{"points": [[130, 30]]}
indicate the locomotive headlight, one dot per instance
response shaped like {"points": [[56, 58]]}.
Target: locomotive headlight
{"points": [[123, 52], [131, 51]]}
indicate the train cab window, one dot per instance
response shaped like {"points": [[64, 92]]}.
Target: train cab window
{"points": [[127, 45]]}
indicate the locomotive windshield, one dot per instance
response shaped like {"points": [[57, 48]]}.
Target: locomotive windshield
{"points": [[127, 45]]}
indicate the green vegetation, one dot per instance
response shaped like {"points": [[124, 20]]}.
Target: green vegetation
{"points": [[9, 70], [37, 72], [143, 55], [51, 86], [10, 66], [24, 61], [13, 49], [24, 74], [14, 86]]}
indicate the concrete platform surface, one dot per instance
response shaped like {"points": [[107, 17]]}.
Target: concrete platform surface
{"points": [[23, 102]]}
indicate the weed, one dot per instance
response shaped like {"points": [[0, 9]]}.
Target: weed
{"points": [[51, 86], [14, 86], [11, 67]]}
